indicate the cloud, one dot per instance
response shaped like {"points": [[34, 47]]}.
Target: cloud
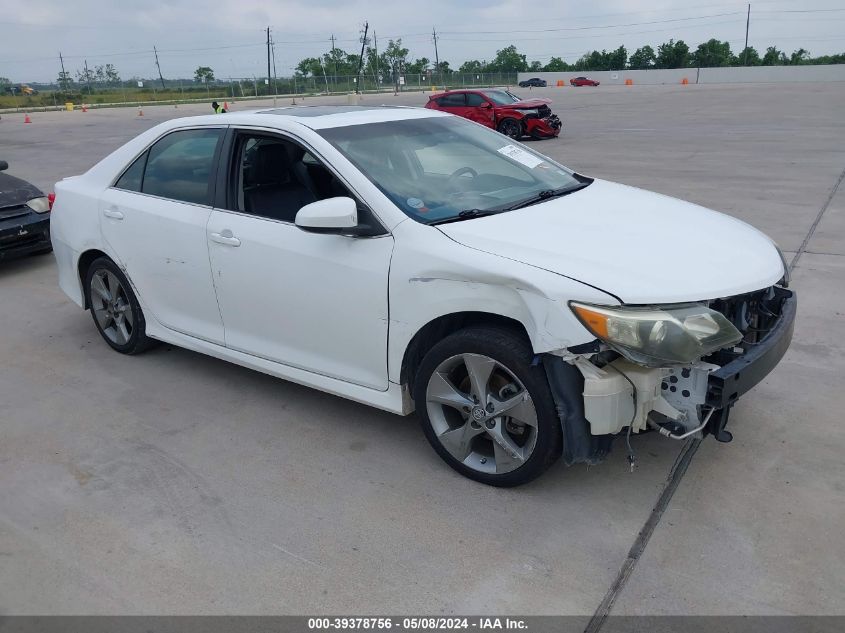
{"points": [[123, 33]]}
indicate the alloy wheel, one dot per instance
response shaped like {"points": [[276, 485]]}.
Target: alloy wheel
{"points": [[111, 307], [481, 413], [511, 128]]}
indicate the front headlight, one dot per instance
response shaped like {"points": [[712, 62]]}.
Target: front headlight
{"points": [[39, 205], [658, 336]]}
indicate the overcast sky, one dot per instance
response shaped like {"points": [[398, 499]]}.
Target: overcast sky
{"points": [[231, 32]]}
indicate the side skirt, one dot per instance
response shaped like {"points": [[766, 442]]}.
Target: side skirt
{"points": [[393, 400]]}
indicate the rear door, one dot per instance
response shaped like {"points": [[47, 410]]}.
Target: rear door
{"points": [[454, 103], [154, 222]]}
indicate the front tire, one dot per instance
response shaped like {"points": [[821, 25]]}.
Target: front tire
{"points": [[511, 127], [485, 409], [114, 307]]}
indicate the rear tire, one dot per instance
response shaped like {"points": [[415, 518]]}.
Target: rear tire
{"points": [[486, 409], [114, 307]]}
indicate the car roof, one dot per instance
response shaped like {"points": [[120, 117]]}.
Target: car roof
{"points": [[466, 90], [314, 117]]}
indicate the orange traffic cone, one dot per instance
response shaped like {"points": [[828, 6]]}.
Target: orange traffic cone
{"points": [[226, 106], [26, 118], [84, 108], [140, 111]]}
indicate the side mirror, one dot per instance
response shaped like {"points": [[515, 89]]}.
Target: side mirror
{"points": [[333, 215], [487, 105], [4, 165]]}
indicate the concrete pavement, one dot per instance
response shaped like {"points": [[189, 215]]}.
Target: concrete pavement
{"points": [[175, 483]]}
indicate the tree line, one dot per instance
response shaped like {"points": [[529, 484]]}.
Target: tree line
{"points": [[394, 61]]}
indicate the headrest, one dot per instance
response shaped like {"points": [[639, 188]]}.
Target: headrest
{"points": [[272, 164]]}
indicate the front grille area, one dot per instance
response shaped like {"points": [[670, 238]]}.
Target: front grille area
{"points": [[13, 212], [543, 111], [754, 314]]}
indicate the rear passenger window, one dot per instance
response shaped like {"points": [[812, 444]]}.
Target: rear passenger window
{"points": [[180, 166], [452, 101], [475, 100], [133, 177]]}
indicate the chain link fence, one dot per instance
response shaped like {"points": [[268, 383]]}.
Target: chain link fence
{"points": [[137, 92]]}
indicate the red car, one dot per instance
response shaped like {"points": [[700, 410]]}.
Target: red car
{"points": [[500, 110], [583, 81]]}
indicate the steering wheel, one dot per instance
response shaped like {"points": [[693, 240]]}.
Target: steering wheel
{"points": [[460, 172]]}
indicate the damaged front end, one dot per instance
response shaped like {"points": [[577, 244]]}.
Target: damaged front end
{"points": [[675, 369], [539, 121]]}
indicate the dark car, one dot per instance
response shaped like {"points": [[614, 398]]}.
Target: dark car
{"points": [[24, 217], [500, 110], [583, 81], [534, 82]]}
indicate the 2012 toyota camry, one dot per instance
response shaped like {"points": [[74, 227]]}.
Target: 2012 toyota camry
{"points": [[411, 259]]}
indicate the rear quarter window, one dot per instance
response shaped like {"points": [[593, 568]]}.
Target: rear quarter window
{"points": [[133, 177]]}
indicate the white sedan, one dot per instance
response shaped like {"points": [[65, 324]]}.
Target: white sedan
{"points": [[410, 259]]}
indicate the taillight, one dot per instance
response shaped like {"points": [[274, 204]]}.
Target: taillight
{"points": [[51, 198]]}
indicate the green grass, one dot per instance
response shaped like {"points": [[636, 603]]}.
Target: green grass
{"points": [[50, 99]]}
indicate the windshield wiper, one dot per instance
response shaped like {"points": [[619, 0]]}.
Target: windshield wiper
{"points": [[546, 195], [467, 214]]}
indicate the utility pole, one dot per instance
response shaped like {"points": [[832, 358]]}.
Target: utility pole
{"points": [[361, 58], [436, 56], [747, 22], [275, 78], [375, 48], [88, 77], [268, 59], [64, 75], [334, 57], [159, 68]]}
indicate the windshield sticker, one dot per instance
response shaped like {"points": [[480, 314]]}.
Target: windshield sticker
{"points": [[415, 203], [521, 156]]}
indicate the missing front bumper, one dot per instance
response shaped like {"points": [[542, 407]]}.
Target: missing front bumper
{"points": [[729, 382]]}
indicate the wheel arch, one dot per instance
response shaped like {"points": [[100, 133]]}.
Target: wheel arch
{"points": [[82, 265], [440, 327]]}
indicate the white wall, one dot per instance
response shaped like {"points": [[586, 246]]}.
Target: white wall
{"points": [[740, 74]]}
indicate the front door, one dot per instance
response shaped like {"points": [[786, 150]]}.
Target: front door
{"points": [[479, 109], [313, 301]]}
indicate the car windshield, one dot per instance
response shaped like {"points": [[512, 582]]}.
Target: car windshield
{"points": [[501, 97], [435, 168]]}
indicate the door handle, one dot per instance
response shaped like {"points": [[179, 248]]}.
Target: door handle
{"points": [[114, 214], [226, 238]]}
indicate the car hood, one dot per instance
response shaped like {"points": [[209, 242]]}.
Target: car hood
{"points": [[525, 104], [641, 247], [14, 191]]}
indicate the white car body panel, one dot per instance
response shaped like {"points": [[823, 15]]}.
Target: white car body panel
{"points": [[338, 313], [640, 246], [164, 245], [394, 399], [432, 275], [318, 303]]}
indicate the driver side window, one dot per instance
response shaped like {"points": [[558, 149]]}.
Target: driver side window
{"points": [[475, 100], [274, 178]]}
